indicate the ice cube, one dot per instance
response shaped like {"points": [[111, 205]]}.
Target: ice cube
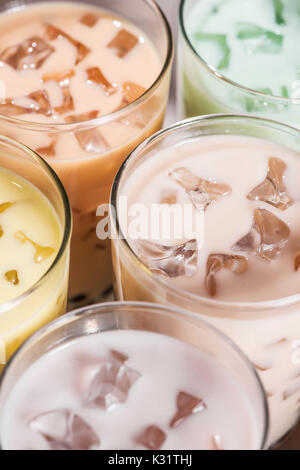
{"points": [[221, 42], [111, 385], [187, 405], [95, 75], [258, 39], [36, 102], [253, 103], [267, 237], [30, 54], [63, 80], [216, 262], [123, 43], [131, 91], [170, 261], [143, 113], [297, 262], [65, 430], [52, 33], [202, 192], [41, 101], [273, 190], [152, 438], [89, 19], [90, 140]]}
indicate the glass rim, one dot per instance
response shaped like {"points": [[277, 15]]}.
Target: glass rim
{"points": [[121, 239], [66, 230], [115, 115], [156, 309], [219, 76]]}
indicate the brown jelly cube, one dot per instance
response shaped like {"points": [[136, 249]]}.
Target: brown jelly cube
{"points": [[12, 277], [38, 102], [89, 19], [131, 92], [123, 42], [152, 438], [43, 102], [52, 33], [187, 405], [95, 75], [30, 54]]}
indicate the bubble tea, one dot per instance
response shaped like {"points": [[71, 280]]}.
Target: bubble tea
{"points": [[70, 73], [240, 55], [239, 266], [132, 389]]}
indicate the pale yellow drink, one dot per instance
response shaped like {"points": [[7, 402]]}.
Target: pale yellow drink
{"points": [[34, 262]]}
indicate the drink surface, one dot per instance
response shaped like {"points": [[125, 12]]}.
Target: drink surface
{"points": [[128, 390], [247, 245], [30, 235], [251, 42], [62, 64]]}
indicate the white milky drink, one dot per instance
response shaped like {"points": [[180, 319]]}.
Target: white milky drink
{"points": [[127, 389]]}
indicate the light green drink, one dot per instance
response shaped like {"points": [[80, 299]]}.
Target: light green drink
{"points": [[240, 55]]}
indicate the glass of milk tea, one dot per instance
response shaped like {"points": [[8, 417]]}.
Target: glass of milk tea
{"points": [[35, 228], [205, 216], [240, 56], [131, 376], [85, 83]]}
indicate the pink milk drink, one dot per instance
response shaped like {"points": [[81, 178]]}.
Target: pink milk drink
{"points": [[228, 188], [118, 376]]}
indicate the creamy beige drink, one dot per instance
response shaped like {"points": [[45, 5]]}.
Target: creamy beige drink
{"points": [[65, 67], [34, 236], [241, 261]]}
